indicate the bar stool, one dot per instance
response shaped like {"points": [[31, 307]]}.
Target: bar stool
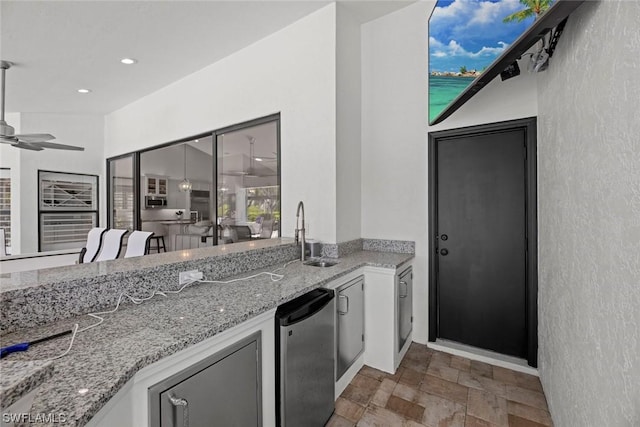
{"points": [[159, 243]]}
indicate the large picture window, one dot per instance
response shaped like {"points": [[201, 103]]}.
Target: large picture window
{"points": [[68, 209], [215, 188]]}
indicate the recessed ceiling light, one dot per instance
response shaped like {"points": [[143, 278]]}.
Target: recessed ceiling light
{"points": [[128, 61], [258, 159], [84, 90], [197, 140]]}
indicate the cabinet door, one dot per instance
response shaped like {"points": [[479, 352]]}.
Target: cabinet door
{"points": [[152, 186], [162, 186], [350, 324], [224, 393], [405, 309]]}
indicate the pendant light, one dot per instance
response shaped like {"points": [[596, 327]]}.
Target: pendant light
{"points": [[185, 185]]}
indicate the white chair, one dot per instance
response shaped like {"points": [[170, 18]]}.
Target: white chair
{"points": [[111, 245], [93, 245], [138, 243]]}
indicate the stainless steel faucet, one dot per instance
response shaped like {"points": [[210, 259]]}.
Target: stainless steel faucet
{"points": [[300, 231]]}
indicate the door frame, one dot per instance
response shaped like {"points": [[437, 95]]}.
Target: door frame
{"points": [[529, 125]]}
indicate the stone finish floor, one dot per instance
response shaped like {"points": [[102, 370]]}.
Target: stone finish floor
{"points": [[436, 389]]}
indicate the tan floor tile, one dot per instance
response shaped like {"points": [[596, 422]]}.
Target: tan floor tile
{"points": [[357, 394], [479, 382], [528, 397], [515, 421], [471, 421], [488, 407], [446, 389], [534, 414], [338, 421], [405, 391], [365, 382], [440, 359], [348, 409], [372, 373], [380, 417], [396, 376], [388, 385], [415, 365], [460, 363], [440, 412], [411, 423], [481, 368], [411, 377], [380, 398], [444, 372], [405, 408], [520, 379]]}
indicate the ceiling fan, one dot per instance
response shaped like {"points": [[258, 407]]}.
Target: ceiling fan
{"points": [[29, 141], [253, 171]]}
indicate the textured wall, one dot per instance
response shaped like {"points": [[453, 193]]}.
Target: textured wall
{"points": [[589, 225]]}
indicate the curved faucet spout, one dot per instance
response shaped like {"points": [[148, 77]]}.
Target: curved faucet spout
{"points": [[299, 232]]}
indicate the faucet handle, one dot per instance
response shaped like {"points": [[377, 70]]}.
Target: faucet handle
{"points": [[297, 231]]}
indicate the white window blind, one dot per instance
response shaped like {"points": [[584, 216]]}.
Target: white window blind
{"points": [[5, 205], [68, 209]]}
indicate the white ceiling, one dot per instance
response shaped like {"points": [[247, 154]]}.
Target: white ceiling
{"points": [[58, 47]]}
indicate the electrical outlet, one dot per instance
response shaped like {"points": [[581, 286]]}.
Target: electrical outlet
{"points": [[190, 276]]}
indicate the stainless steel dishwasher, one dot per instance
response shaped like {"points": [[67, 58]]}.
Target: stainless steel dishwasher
{"points": [[305, 360]]}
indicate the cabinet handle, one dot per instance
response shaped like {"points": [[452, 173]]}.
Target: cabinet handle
{"points": [[342, 313], [176, 401], [402, 282]]}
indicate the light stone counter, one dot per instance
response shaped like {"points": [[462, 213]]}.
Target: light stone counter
{"points": [[104, 358]]}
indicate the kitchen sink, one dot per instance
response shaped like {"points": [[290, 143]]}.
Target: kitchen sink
{"points": [[320, 263]]}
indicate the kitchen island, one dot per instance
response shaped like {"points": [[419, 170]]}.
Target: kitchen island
{"points": [[106, 358]]}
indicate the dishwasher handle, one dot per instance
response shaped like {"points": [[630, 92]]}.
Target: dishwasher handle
{"points": [[306, 309]]}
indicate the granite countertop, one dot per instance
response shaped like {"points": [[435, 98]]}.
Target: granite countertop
{"points": [[20, 377], [104, 358]]}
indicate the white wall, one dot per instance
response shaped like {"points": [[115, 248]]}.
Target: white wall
{"points": [[291, 72], [589, 219], [395, 133], [83, 130], [348, 131]]}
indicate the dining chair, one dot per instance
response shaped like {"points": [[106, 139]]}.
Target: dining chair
{"points": [[138, 243], [267, 229], [111, 245], [93, 245]]}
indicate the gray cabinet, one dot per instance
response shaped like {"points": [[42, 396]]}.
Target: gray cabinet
{"points": [[349, 324], [404, 292], [221, 390]]}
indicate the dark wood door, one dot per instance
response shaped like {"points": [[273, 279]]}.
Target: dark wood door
{"points": [[481, 246]]}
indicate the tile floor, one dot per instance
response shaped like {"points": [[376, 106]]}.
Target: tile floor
{"points": [[436, 389]]}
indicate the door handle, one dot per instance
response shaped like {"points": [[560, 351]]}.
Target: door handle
{"points": [[444, 252], [342, 313], [406, 288], [176, 401]]}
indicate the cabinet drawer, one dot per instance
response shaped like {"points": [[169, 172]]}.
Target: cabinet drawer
{"points": [[222, 390]]}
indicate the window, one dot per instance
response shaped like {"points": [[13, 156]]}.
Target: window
{"points": [[68, 209], [218, 187], [5, 206]]}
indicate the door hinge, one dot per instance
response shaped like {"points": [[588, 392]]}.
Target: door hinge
{"points": [[411, 319], [362, 337]]}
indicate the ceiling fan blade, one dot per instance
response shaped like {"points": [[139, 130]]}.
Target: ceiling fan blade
{"points": [[35, 137], [54, 145], [8, 140], [27, 146]]}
